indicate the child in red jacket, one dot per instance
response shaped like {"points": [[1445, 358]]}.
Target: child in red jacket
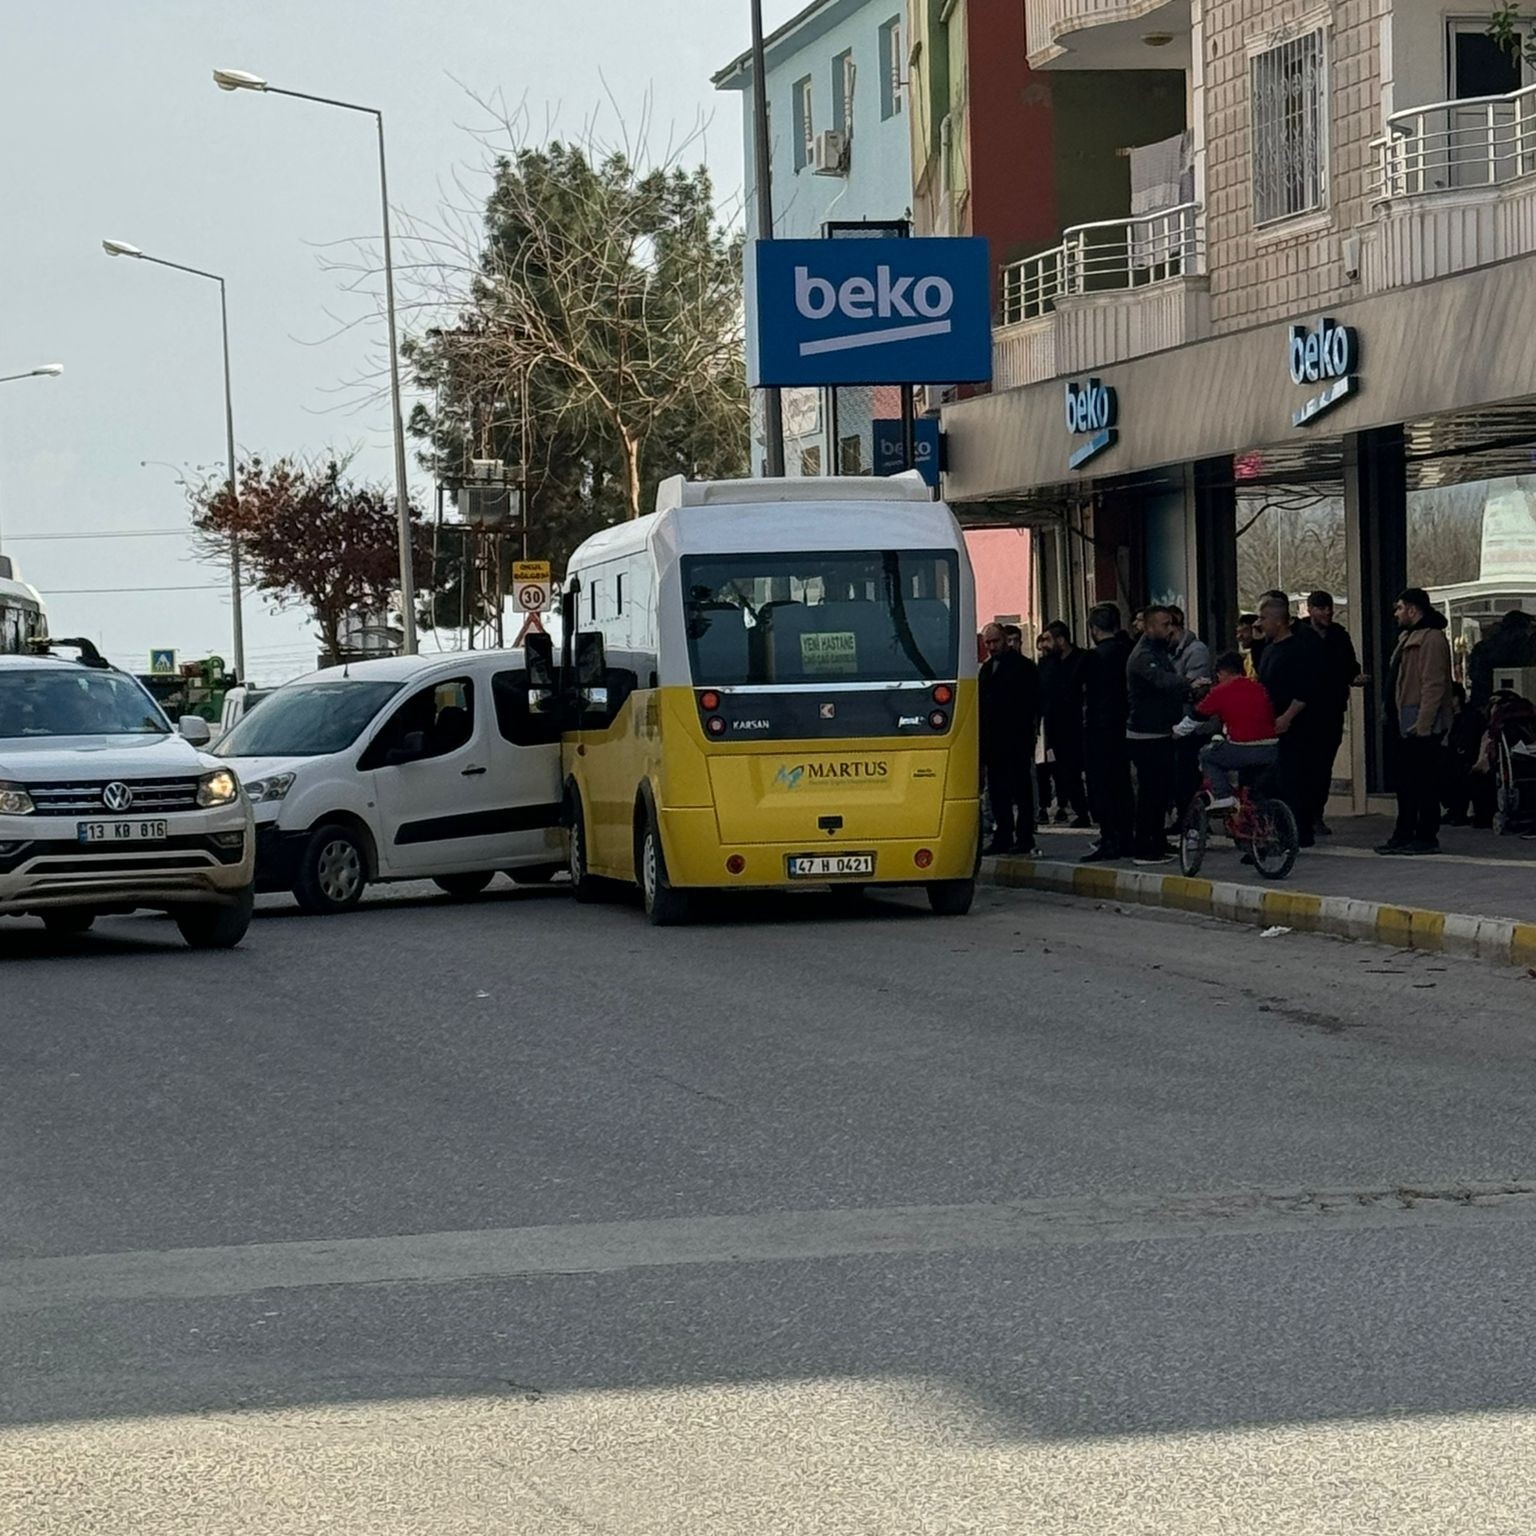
{"points": [[1241, 704]]}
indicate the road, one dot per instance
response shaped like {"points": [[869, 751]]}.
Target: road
{"points": [[513, 1216]]}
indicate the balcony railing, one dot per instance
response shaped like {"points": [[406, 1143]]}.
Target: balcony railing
{"points": [[1483, 141], [1106, 257]]}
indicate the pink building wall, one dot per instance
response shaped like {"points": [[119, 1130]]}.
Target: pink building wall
{"points": [[1004, 579]]}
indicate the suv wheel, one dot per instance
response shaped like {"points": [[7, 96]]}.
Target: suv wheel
{"points": [[216, 927], [65, 921], [332, 870]]}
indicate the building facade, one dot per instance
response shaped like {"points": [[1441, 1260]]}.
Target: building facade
{"points": [[1276, 337]]}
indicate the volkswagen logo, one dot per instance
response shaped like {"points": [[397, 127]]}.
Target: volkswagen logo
{"points": [[117, 797]]}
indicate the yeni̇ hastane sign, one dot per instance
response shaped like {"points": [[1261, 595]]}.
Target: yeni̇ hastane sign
{"points": [[830, 312]]}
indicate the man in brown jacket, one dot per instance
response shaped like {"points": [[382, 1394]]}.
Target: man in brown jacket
{"points": [[1419, 702]]}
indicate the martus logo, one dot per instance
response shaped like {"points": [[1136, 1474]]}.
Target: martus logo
{"points": [[919, 305], [792, 778], [1329, 353]]}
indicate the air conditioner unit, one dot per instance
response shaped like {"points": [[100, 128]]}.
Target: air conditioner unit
{"points": [[829, 153]]}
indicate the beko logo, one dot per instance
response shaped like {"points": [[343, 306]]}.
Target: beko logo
{"points": [[1092, 411], [1328, 351], [921, 303]]}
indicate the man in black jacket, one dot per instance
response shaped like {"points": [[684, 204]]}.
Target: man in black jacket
{"points": [[1157, 695], [1105, 756], [1062, 668], [1292, 668], [1008, 688], [1341, 672]]}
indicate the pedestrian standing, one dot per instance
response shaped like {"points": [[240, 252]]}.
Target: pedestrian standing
{"points": [[1420, 701], [1106, 756], [1009, 697], [1045, 657], [1156, 699], [1192, 661], [1062, 682], [1341, 672], [1291, 670], [1247, 639]]}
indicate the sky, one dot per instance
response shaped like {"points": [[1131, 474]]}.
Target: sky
{"points": [[113, 128]]}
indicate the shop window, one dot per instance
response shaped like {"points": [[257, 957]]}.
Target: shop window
{"points": [[810, 460], [1290, 129], [805, 126], [850, 454]]}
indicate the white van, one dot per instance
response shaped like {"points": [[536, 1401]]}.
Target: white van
{"points": [[404, 768]]}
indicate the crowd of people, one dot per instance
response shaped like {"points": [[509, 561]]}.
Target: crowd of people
{"points": [[1120, 732]]}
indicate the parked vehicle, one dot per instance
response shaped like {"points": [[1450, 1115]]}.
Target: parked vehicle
{"points": [[238, 702], [23, 619], [403, 768], [105, 808], [762, 687]]}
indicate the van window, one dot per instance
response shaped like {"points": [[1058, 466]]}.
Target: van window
{"points": [[517, 722], [444, 714]]}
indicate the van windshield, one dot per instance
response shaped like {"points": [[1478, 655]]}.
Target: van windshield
{"points": [[308, 719], [875, 616]]}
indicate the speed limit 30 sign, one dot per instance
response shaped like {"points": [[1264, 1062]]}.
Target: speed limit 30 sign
{"points": [[532, 596]]}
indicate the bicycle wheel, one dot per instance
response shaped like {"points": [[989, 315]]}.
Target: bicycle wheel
{"points": [[1273, 844], [1194, 834]]}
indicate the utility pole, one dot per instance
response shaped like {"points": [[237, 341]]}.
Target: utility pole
{"points": [[773, 418]]}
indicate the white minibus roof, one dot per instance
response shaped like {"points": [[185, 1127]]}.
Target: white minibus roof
{"points": [[680, 492]]}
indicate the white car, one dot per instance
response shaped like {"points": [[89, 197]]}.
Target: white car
{"points": [[405, 768], [104, 808]]}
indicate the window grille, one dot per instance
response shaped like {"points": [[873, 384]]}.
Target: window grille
{"points": [[1290, 129]]}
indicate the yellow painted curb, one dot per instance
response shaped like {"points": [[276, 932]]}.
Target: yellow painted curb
{"points": [[1290, 909], [1522, 944], [1188, 895], [1090, 881]]}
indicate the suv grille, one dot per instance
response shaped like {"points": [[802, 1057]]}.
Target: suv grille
{"points": [[83, 797]]}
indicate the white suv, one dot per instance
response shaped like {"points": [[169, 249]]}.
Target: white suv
{"points": [[104, 808], [404, 768]]}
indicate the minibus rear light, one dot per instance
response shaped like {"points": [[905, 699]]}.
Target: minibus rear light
{"points": [[923, 857], [938, 719], [709, 702], [735, 864], [943, 694], [715, 725]]}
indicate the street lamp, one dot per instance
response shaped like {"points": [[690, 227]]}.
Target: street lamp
{"points": [[42, 371], [122, 248], [243, 80], [46, 371]]}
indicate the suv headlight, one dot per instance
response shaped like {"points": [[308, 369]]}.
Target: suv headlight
{"points": [[14, 800], [217, 788], [274, 787]]}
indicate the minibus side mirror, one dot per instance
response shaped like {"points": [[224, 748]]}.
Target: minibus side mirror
{"points": [[539, 657], [591, 664]]}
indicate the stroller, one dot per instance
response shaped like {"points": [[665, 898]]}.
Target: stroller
{"points": [[1509, 753]]}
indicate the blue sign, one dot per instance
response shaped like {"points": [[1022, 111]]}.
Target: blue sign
{"points": [[162, 662], [890, 455], [827, 312]]}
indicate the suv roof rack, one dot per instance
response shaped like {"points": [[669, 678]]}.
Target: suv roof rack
{"points": [[89, 655]]}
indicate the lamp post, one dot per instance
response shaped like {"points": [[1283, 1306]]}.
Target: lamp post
{"points": [[243, 80], [122, 248], [42, 371], [773, 418]]}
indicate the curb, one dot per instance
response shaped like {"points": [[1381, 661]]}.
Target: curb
{"points": [[1453, 933]]}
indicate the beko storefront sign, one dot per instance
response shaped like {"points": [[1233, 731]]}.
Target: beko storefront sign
{"points": [[840, 311], [1092, 414], [1328, 354]]}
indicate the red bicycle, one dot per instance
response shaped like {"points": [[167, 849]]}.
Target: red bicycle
{"points": [[1265, 828]]}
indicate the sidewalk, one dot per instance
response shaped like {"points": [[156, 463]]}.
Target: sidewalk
{"points": [[1477, 897]]}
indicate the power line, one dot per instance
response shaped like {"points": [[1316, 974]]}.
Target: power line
{"points": [[106, 533], [217, 586]]}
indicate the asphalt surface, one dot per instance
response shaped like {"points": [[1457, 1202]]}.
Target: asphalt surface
{"points": [[513, 1216]]}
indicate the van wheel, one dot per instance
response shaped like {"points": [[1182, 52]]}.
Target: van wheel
{"points": [[216, 927], [584, 885], [951, 898], [464, 885], [332, 870], [664, 905], [67, 921]]}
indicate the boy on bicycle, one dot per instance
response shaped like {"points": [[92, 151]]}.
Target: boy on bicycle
{"points": [[1241, 705]]}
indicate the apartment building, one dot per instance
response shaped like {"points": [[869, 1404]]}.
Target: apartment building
{"points": [[1277, 336]]}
